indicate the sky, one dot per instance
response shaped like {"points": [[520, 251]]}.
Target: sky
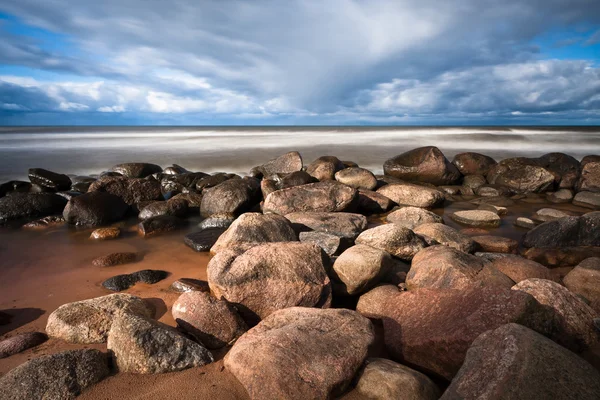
{"points": [[299, 62]]}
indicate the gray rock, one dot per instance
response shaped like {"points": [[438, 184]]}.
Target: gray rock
{"points": [[525, 223], [21, 342], [396, 240], [549, 214], [443, 234], [411, 217], [424, 164], [521, 175], [587, 199], [204, 239], [217, 221], [412, 195], [49, 179], [346, 225]]}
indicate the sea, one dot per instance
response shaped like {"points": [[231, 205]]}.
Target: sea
{"points": [[91, 150]]}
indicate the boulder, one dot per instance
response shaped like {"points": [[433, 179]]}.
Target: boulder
{"points": [[184, 285], [424, 164], [521, 175], [331, 244], [549, 214], [519, 269], [271, 276], [358, 178], [382, 379], [491, 191], [514, 362], [49, 179], [217, 221], [584, 280], [95, 208], [443, 234], [359, 268], [481, 218], [132, 191], [397, 240], [590, 177], [171, 185], [301, 353], [21, 342], [589, 158], [30, 205], [212, 181], [136, 170], [564, 167], [204, 239], [346, 225], [412, 195], [474, 182], [325, 167], [284, 164], [173, 207], [159, 225], [473, 163], [560, 196], [295, 179], [213, 322], [58, 376], [411, 217], [143, 346], [251, 229], [113, 259], [194, 200], [587, 199], [370, 202], [119, 283], [496, 244], [327, 196], [234, 196], [372, 304], [174, 170], [105, 233], [566, 232], [14, 186]]}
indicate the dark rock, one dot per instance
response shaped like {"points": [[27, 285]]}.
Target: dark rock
{"points": [[159, 225], [346, 225], [234, 196], [327, 196], [564, 167], [566, 232], [474, 181], [46, 222], [424, 164], [95, 208], [204, 239], [212, 181], [284, 164], [49, 179], [115, 259], [331, 244], [184, 285], [589, 158], [5, 318], [412, 195], [473, 163], [193, 199], [396, 240], [132, 191], [69, 195], [217, 221], [590, 177], [136, 170], [119, 283], [173, 207], [105, 233], [21, 342], [436, 233], [325, 167], [182, 183], [521, 175], [28, 205], [370, 202], [14, 186], [358, 178]]}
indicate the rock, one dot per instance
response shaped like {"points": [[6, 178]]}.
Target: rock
{"points": [[372, 304], [212, 181], [549, 214], [587, 199], [590, 177], [44, 223], [575, 317], [115, 259], [327, 196], [411, 217], [496, 244], [383, 379], [424, 164], [531, 367], [474, 181], [213, 322], [491, 191], [119, 283], [58, 376], [584, 280], [519, 269], [184, 285], [171, 185], [324, 168], [21, 342], [284, 164], [204, 239], [301, 353], [174, 170], [432, 329], [95, 208], [361, 267], [105, 233], [370, 202], [358, 178], [251, 229], [234, 196], [295, 179], [22, 205], [49, 179], [217, 221], [14, 186], [159, 225], [331, 244], [473, 163], [346, 225], [477, 218], [131, 191], [442, 267], [589, 158], [173, 207], [412, 195], [88, 321], [81, 183], [443, 234], [193, 199], [525, 223], [564, 167], [396, 240], [495, 209], [143, 346], [136, 170], [521, 175], [271, 276], [566, 232], [560, 196]]}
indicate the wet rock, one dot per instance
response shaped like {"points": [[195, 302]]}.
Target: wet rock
{"points": [[477, 218], [251, 229], [566, 232], [519, 269], [159, 225], [327, 196], [396, 240], [521, 175], [491, 191], [370, 202], [115, 259], [105, 233], [95, 208], [358, 178], [21, 342], [590, 177], [233, 196], [411, 217], [184, 285], [14, 186], [136, 170], [331, 244], [549, 214], [301, 353], [346, 225], [589, 158], [474, 181], [174, 170], [525, 223], [217, 221], [49, 179], [44, 223], [325, 167], [284, 164], [564, 167], [383, 379], [88, 321], [119, 283], [193, 199], [533, 367], [560, 196], [213, 322], [173, 207], [424, 164], [30, 205], [271, 276], [360, 267], [496, 244], [174, 184], [204, 239], [412, 195], [493, 208], [587, 199], [584, 280], [212, 181], [296, 179], [132, 191], [473, 163], [58, 376], [443, 234], [143, 346]]}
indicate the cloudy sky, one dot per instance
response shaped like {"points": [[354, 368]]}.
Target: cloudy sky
{"points": [[300, 62]]}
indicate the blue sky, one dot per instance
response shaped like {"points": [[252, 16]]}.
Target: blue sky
{"points": [[263, 62]]}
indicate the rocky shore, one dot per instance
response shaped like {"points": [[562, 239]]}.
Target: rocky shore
{"points": [[464, 279]]}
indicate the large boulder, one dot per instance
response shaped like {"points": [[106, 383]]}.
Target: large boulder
{"points": [[346, 225], [234, 196], [174, 207], [372, 304], [27, 205], [62, 375], [564, 167], [412, 195], [370, 202], [446, 235], [356, 177], [521, 175], [424, 164], [361, 267], [331, 244], [251, 229], [49, 179], [94, 209], [136, 170], [473, 163], [88, 321], [329, 196], [519, 269], [284, 164], [271, 276], [590, 177], [397, 240], [301, 353], [411, 217], [132, 191], [584, 280], [325, 167], [144, 346], [514, 362]]}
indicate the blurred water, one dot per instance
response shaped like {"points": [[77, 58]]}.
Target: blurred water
{"points": [[91, 150]]}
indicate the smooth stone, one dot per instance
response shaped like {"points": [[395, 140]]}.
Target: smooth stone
{"points": [[136, 170], [491, 191], [31, 205], [95, 208], [359, 268], [358, 178], [519, 269], [14, 186], [44, 223], [566, 232], [119, 283], [285, 164], [424, 164], [234, 196], [564, 168], [217, 221], [495, 209], [105, 233], [549, 214], [584, 280], [204, 239], [496, 244], [49, 179], [328, 196], [398, 241], [21, 342], [477, 218], [370, 202], [411, 217], [324, 168], [173, 207], [587, 199], [372, 303], [212, 181], [131, 191], [446, 235], [589, 158], [331, 244], [473, 163], [159, 225], [474, 181], [525, 223], [412, 195], [184, 285], [589, 180], [345, 225], [561, 196], [113, 259], [174, 170], [194, 200]]}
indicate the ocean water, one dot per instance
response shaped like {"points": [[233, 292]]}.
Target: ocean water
{"points": [[91, 150]]}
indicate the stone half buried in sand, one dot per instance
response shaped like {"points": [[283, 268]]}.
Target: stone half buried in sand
{"points": [[424, 164], [113, 259], [271, 276], [329, 196], [88, 321], [301, 353], [412, 195]]}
